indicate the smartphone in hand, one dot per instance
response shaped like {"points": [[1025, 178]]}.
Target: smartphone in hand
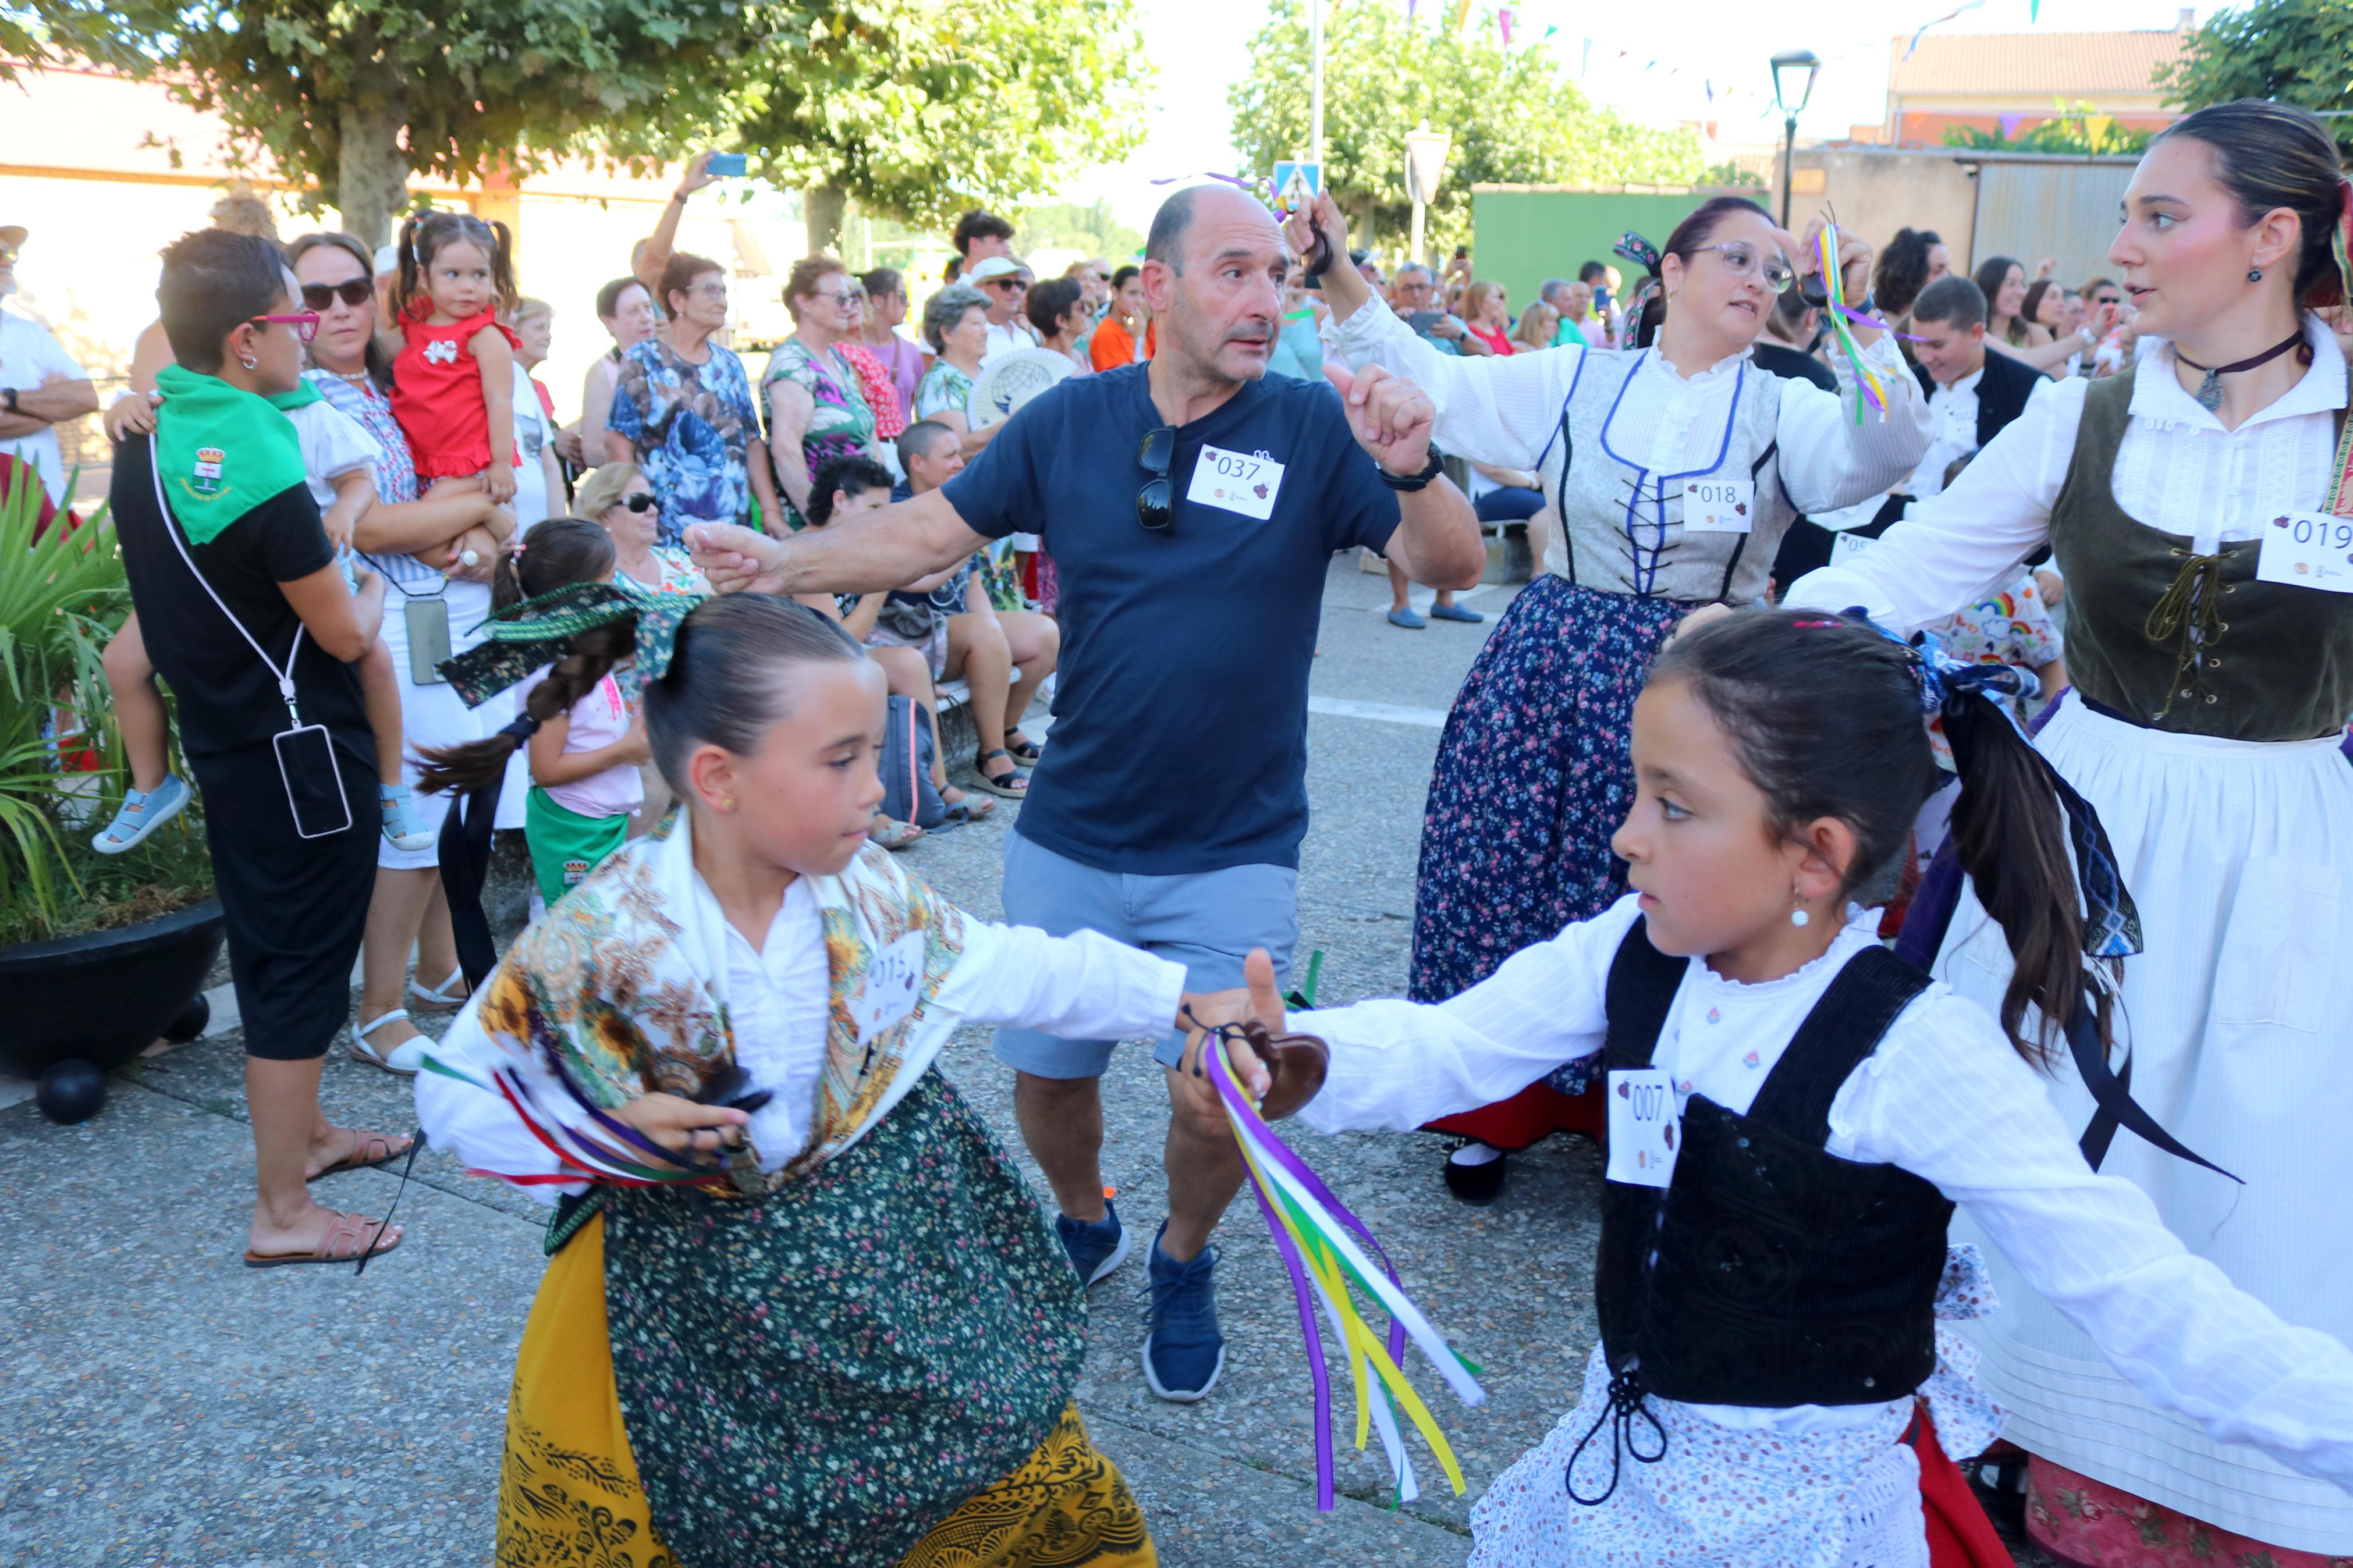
{"points": [[725, 165], [1422, 321]]}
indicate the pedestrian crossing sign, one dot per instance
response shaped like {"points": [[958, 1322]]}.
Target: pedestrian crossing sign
{"points": [[1296, 184]]}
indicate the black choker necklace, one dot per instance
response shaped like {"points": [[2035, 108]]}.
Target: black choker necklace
{"points": [[2210, 391]]}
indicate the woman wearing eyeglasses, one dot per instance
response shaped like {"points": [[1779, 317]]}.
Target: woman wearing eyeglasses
{"points": [[817, 403], [618, 499], [1674, 470]]}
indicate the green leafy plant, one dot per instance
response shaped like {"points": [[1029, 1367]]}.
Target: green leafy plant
{"points": [[62, 595], [2075, 128], [2291, 50]]}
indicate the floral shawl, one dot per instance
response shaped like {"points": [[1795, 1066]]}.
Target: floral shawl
{"points": [[621, 989]]}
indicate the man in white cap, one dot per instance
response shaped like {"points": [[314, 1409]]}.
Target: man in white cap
{"points": [[41, 386], [1007, 283]]}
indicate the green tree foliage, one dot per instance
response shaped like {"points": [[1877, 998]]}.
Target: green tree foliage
{"points": [[356, 94], [2071, 130], [1066, 226], [919, 109], [1512, 117], [2292, 50]]}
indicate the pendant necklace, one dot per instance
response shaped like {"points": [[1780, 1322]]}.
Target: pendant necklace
{"points": [[2210, 391]]}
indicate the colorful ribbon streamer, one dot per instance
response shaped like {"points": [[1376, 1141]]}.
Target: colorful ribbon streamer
{"points": [[1868, 387], [1316, 1237]]}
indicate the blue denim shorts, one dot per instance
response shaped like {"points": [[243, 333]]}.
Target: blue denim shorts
{"points": [[1206, 920]]}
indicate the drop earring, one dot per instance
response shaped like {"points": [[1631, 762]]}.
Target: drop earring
{"points": [[1798, 917]]}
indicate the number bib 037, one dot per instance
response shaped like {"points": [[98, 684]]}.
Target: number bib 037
{"points": [[1245, 482]]}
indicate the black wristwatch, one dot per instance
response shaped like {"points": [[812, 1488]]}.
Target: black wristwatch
{"points": [[10, 393], [1408, 483]]}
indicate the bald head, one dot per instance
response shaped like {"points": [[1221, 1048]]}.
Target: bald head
{"points": [[1218, 209]]}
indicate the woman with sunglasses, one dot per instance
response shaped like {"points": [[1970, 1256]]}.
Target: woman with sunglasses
{"points": [[435, 555], [1674, 470], [246, 617], [619, 499], [815, 398]]}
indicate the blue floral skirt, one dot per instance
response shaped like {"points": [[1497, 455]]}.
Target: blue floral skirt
{"points": [[1533, 778]]}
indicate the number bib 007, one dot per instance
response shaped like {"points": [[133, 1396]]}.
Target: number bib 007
{"points": [[1642, 1127]]}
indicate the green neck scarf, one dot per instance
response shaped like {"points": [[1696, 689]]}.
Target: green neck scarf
{"points": [[220, 450]]}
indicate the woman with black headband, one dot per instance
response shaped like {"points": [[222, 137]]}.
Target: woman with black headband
{"points": [[1676, 468], [2201, 512]]}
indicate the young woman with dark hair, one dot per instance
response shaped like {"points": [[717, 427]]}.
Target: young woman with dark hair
{"points": [[2212, 687], [1914, 259], [1674, 470], [1794, 1112]]}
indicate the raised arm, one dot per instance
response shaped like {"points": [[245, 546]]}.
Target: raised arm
{"points": [[1500, 411], [1829, 459], [1970, 537]]}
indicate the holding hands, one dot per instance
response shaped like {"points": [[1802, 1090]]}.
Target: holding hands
{"points": [[1279, 1071], [1389, 416], [735, 559]]}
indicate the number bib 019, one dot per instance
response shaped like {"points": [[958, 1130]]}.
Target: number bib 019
{"points": [[2309, 549]]}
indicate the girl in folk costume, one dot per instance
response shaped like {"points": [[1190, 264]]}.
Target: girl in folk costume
{"points": [[2213, 658], [1794, 1112], [803, 1309], [584, 743], [453, 381], [1675, 469]]}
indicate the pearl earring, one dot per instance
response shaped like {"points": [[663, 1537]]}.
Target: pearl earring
{"points": [[2254, 274], [1798, 917]]}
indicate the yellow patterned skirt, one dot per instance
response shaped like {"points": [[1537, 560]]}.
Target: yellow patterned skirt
{"points": [[568, 1490]]}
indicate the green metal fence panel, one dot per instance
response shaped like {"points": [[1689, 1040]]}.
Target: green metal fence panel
{"points": [[1519, 239]]}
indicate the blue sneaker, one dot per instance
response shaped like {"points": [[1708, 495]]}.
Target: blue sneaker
{"points": [[1097, 1247], [1184, 1352], [1410, 618], [1455, 612]]}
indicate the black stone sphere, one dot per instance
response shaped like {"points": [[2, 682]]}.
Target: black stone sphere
{"points": [[191, 1021], [70, 1091]]}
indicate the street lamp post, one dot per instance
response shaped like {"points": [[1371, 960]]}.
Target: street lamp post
{"points": [[1794, 71], [1315, 83], [1425, 166]]}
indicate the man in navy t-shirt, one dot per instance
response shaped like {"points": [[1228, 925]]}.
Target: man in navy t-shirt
{"points": [[1191, 508]]}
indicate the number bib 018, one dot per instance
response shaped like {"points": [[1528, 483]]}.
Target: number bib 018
{"points": [[1719, 506]]}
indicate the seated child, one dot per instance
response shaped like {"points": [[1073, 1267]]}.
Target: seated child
{"points": [[338, 457], [1771, 1388], [803, 1308], [583, 744]]}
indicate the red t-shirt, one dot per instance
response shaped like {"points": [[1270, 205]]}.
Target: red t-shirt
{"points": [[436, 396]]}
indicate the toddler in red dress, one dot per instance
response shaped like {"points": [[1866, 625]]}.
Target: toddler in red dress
{"points": [[453, 381]]}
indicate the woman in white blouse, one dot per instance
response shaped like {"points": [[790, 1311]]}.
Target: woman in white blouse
{"points": [[2209, 634], [1674, 470]]}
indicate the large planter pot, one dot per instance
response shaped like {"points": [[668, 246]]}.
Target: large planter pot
{"points": [[106, 996]]}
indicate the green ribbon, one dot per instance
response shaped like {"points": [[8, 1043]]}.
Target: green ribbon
{"points": [[221, 451]]}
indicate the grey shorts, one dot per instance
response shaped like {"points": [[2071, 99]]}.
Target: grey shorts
{"points": [[1207, 920]]}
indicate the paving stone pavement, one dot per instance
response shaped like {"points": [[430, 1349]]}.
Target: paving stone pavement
{"points": [[165, 1405]]}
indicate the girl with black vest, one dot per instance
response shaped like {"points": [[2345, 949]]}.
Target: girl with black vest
{"points": [[2202, 508], [1794, 1113], [1675, 469]]}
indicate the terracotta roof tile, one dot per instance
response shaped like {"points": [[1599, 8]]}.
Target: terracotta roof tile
{"points": [[2072, 66]]}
